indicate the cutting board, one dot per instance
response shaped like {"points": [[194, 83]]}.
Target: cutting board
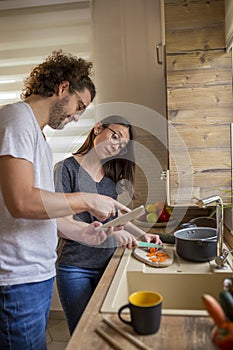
{"points": [[141, 254]]}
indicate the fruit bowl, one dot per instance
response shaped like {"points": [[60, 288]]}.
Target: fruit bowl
{"points": [[156, 214]]}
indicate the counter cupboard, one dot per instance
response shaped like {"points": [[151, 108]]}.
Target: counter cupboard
{"points": [[176, 332]]}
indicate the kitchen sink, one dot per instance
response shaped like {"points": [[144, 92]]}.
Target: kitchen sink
{"points": [[181, 284]]}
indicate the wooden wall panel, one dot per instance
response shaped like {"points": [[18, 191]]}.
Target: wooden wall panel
{"points": [[191, 78], [202, 136], [184, 14], [185, 40], [198, 61], [206, 161], [218, 116], [199, 100], [214, 96]]}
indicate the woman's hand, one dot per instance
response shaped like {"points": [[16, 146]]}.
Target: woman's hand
{"points": [[147, 237], [141, 235], [124, 238]]}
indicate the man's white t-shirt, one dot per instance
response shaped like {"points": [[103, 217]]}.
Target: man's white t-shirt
{"points": [[27, 247]]}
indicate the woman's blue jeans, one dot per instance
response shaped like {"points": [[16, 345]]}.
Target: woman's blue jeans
{"points": [[75, 287], [24, 311]]}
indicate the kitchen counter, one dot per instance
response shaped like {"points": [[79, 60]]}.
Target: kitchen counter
{"points": [[176, 332]]}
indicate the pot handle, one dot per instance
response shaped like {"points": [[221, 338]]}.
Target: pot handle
{"points": [[205, 242], [211, 239], [188, 225]]}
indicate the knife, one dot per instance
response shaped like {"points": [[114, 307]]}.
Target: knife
{"points": [[149, 245]]}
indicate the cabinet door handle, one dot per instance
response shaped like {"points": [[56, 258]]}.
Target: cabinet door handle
{"points": [[158, 47], [163, 175]]}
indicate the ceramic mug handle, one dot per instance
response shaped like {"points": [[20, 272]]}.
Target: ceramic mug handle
{"points": [[127, 306]]}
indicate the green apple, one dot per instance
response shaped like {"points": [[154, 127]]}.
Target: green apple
{"points": [[152, 218]]}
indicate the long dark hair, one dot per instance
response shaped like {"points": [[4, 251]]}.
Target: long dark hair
{"points": [[119, 168]]}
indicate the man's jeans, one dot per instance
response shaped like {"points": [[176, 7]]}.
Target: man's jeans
{"points": [[24, 311]]}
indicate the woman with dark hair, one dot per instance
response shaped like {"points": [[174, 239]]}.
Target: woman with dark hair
{"points": [[104, 164]]}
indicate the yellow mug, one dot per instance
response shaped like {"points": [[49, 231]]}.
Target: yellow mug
{"points": [[145, 311]]}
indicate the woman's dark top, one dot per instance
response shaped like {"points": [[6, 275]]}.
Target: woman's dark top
{"points": [[69, 177]]}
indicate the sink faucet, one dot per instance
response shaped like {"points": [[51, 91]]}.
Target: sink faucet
{"points": [[202, 203]]}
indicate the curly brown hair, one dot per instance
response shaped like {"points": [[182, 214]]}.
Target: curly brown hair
{"points": [[45, 78]]}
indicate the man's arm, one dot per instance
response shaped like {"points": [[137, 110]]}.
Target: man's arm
{"points": [[23, 200], [81, 231]]}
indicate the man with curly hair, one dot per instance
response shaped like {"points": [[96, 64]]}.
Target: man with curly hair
{"points": [[56, 93]]}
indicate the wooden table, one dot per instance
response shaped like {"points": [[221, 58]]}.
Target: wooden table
{"points": [[176, 332]]}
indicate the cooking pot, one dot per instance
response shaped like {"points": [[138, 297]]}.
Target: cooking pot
{"points": [[196, 243]]}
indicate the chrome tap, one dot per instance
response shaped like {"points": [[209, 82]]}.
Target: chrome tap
{"points": [[202, 203]]}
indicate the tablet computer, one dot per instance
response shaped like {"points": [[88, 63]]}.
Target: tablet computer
{"points": [[123, 219]]}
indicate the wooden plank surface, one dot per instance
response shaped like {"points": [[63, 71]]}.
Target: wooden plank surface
{"points": [[203, 135], [198, 60], [192, 78], [181, 14], [217, 116], [218, 96], [189, 40], [199, 98]]}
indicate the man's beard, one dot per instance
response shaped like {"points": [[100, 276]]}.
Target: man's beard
{"points": [[58, 114]]}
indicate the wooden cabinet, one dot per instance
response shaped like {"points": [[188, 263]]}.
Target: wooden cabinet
{"points": [[199, 100]]}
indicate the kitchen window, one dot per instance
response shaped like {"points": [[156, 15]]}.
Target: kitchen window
{"points": [[29, 31]]}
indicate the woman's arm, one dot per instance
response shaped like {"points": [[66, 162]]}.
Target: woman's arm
{"points": [[140, 234]]}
